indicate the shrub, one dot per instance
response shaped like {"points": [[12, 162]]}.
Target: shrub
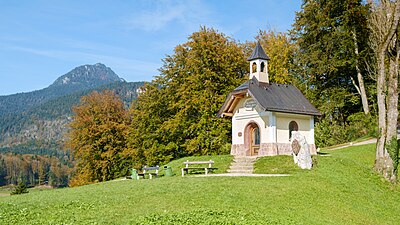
{"points": [[358, 125], [20, 189]]}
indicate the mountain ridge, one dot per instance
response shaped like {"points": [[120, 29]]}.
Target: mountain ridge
{"points": [[37, 121], [81, 78]]}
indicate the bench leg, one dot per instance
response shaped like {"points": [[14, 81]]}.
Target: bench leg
{"points": [[150, 176], [206, 170], [183, 172]]}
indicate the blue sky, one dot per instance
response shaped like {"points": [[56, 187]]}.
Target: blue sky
{"points": [[44, 39]]}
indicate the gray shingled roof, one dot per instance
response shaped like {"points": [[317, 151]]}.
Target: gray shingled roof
{"points": [[258, 53], [276, 97]]}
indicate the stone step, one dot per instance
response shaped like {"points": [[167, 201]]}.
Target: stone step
{"points": [[244, 160], [239, 167], [240, 171], [242, 164]]}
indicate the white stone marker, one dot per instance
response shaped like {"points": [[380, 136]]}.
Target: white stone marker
{"points": [[301, 152]]}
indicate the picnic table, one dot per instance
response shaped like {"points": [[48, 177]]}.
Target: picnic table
{"points": [[207, 166]]}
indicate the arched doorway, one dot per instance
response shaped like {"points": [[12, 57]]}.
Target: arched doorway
{"points": [[252, 139], [292, 127]]}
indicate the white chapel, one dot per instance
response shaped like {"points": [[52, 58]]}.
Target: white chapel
{"points": [[264, 114]]}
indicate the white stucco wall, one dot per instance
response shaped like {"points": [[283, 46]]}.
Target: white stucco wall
{"points": [[242, 117], [303, 121], [274, 127]]}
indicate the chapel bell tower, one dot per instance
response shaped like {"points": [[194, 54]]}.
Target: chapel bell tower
{"points": [[259, 64]]}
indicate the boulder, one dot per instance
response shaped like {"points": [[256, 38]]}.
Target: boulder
{"points": [[301, 151]]}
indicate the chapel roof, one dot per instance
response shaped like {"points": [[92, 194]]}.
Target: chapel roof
{"points": [[258, 53], [270, 97]]}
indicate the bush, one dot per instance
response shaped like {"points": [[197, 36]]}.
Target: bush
{"points": [[20, 189], [329, 133], [358, 125], [361, 125]]}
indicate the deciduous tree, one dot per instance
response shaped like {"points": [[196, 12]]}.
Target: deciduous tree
{"points": [[175, 116], [332, 40], [98, 138], [384, 25]]}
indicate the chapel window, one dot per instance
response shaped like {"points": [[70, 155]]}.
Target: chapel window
{"points": [[254, 67], [293, 127], [262, 67]]}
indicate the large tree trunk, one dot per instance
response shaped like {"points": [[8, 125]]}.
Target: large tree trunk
{"points": [[384, 161], [360, 87], [380, 162], [392, 111]]}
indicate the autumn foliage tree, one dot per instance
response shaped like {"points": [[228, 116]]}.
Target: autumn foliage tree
{"points": [[98, 138], [176, 114]]}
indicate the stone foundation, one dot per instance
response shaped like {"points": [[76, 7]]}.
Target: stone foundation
{"points": [[284, 149], [238, 149], [268, 149]]}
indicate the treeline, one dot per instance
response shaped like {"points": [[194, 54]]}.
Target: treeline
{"points": [[36, 148], [33, 170]]}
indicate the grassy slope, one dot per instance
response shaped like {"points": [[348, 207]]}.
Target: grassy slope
{"points": [[340, 190]]}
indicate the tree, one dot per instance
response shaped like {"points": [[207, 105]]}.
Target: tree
{"points": [[98, 138], [20, 189], [3, 171], [175, 116], [332, 41], [384, 25]]}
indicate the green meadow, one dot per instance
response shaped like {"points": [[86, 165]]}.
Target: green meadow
{"points": [[340, 189]]}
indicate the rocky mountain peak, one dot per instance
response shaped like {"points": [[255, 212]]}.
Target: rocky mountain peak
{"points": [[88, 75]]}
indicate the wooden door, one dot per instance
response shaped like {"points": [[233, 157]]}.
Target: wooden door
{"points": [[255, 140]]}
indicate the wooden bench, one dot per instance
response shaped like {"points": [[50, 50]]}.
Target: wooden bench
{"points": [[151, 171], [205, 168]]}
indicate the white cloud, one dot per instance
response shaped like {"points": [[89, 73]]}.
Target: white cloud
{"points": [[129, 69], [162, 13]]}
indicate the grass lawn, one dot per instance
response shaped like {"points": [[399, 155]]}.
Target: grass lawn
{"points": [[341, 189]]}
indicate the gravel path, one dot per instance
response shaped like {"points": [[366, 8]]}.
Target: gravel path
{"points": [[366, 142], [243, 175]]}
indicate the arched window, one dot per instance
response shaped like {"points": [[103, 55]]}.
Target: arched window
{"points": [[254, 67], [293, 127], [262, 67], [256, 136]]}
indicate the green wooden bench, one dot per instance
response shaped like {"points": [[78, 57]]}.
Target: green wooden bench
{"points": [[207, 166]]}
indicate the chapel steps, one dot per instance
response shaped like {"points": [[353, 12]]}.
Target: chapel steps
{"points": [[242, 164]]}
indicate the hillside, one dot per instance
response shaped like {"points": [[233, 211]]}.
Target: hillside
{"points": [[341, 189], [44, 126], [36, 122]]}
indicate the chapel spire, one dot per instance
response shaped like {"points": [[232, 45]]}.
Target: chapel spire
{"points": [[259, 64]]}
